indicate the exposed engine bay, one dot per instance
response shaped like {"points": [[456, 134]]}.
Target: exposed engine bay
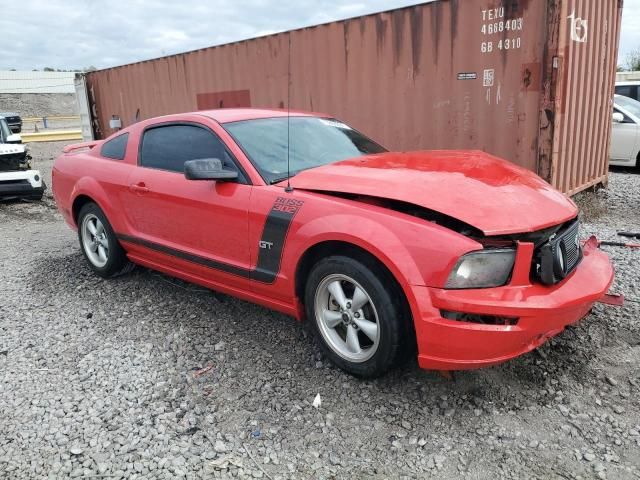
{"points": [[14, 157]]}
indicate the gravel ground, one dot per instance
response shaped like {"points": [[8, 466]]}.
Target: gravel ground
{"points": [[149, 377]]}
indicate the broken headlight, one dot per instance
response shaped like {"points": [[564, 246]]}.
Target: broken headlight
{"points": [[482, 269]]}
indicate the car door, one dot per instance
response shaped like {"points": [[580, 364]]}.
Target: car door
{"points": [[624, 138], [197, 227]]}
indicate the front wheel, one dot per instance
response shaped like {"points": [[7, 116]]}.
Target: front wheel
{"points": [[100, 244], [356, 315]]}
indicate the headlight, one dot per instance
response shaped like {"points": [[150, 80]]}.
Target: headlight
{"points": [[483, 269]]}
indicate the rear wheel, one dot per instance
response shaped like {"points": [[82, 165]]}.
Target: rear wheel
{"points": [[99, 243], [356, 315]]}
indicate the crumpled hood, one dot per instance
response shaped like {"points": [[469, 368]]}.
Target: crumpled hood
{"points": [[488, 193]]}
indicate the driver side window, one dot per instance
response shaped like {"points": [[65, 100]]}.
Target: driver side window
{"points": [[167, 147]]}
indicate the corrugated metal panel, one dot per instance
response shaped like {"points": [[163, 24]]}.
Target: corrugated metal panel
{"points": [[587, 59], [36, 82], [449, 74]]}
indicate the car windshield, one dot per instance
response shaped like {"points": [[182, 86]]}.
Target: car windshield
{"points": [[313, 142], [4, 130], [629, 104]]}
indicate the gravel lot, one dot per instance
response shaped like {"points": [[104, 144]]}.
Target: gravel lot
{"points": [[149, 377]]}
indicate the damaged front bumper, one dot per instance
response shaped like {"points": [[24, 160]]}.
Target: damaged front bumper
{"points": [[20, 184], [466, 329]]}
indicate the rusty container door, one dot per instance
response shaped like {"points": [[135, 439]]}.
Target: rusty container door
{"points": [[586, 64], [472, 74]]}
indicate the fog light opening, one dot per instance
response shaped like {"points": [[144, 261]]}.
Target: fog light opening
{"points": [[478, 319]]}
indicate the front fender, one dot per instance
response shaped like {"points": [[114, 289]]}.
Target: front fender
{"points": [[365, 233], [416, 252]]}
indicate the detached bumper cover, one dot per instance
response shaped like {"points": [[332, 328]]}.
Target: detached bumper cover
{"points": [[542, 312], [21, 184]]}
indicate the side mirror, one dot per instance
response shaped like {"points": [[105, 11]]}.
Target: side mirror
{"points": [[617, 117], [15, 138], [208, 169]]}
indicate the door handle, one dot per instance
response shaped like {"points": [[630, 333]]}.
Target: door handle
{"points": [[139, 187]]}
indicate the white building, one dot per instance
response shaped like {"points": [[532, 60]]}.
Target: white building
{"points": [[627, 76], [36, 82]]}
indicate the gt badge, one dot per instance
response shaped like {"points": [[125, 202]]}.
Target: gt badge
{"points": [[273, 239]]}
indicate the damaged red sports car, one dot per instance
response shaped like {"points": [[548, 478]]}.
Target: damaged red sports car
{"points": [[466, 258]]}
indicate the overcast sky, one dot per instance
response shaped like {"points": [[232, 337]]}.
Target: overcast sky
{"points": [[71, 34]]}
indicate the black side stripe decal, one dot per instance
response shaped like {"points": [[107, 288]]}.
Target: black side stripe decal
{"points": [[206, 262], [271, 245]]}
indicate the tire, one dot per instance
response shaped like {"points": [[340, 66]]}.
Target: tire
{"points": [[39, 196], [343, 317], [103, 252]]}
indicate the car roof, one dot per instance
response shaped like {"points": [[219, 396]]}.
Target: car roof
{"points": [[8, 114], [616, 96], [627, 82], [228, 115]]}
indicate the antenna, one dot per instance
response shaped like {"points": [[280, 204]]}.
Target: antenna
{"points": [[288, 189]]}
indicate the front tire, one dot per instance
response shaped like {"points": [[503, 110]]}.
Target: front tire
{"points": [[99, 243], [356, 315]]}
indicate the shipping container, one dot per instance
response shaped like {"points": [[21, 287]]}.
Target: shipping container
{"points": [[527, 80]]}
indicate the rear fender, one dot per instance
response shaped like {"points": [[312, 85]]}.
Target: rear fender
{"points": [[91, 188]]}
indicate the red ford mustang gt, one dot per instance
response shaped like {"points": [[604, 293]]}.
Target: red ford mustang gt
{"points": [[464, 256]]}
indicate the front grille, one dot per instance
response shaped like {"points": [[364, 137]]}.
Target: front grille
{"points": [[571, 243], [479, 319], [559, 256]]}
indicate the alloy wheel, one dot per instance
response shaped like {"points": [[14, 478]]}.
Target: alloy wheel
{"points": [[347, 318], [94, 240]]}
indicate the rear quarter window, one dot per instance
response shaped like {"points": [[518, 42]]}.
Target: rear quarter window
{"points": [[116, 148]]}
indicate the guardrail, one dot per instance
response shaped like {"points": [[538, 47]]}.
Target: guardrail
{"points": [[50, 117], [52, 136]]}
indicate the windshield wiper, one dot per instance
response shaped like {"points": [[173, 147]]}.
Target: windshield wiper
{"points": [[280, 179]]}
